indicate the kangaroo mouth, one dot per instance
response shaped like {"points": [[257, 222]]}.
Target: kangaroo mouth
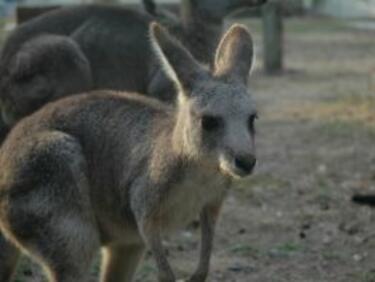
{"points": [[231, 170], [233, 174]]}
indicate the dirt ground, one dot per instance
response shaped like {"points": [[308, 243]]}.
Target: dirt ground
{"points": [[293, 220]]}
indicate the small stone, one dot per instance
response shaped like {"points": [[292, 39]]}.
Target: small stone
{"points": [[242, 231], [306, 226], [236, 268], [187, 234], [350, 228], [357, 258], [322, 169], [358, 240], [327, 240]]}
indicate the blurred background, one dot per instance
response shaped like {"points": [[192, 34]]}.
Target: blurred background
{"points": [[314, 81]]}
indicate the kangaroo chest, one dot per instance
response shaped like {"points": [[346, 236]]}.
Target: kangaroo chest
{"points": [[186, 198]]}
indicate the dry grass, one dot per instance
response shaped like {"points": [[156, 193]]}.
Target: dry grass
{"points": [[351, 109]]}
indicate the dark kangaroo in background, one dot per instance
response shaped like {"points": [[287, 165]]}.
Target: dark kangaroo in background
{"points": [[116, 171], [116, 45]]}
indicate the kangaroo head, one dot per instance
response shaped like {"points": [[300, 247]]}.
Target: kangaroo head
{"points": [[218, 9], [216, 114]]}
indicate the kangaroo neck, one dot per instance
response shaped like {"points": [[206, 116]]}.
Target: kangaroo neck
{"points": [[165, 157]]}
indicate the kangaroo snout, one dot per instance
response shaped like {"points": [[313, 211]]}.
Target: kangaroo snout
{"points": [[245, 164], [238, 166]]}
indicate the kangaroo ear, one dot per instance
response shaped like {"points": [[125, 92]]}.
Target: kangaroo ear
{"points": [[176, 60], [235, 54]]}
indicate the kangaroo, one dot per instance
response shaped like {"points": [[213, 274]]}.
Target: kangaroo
{"points": [[117, 171], [116, 44]]}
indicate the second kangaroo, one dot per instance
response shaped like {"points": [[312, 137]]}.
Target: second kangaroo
{"points": [[116, 171]]}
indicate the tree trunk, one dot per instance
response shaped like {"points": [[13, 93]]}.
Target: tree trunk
{"points": [[273, 37]]}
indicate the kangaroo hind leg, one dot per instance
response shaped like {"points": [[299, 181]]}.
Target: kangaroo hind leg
{"points": [[8, 259], [49, 214], [120, 262]]}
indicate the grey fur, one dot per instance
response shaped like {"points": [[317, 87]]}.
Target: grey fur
{"points": [[117, 170], [116, 45], [44, 69]]}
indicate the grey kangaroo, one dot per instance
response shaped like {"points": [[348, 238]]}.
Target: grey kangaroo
{"points": [[116, 170], [116, 45]]}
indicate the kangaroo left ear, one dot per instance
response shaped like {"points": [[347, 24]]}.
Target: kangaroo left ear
{"points": [[235, 54], [178, 63]]}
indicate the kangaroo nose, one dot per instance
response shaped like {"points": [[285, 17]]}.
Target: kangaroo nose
{"points": [[245, 164]]}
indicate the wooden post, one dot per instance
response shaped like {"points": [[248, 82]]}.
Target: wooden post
{"points": [[371, 82], [273, 37]]}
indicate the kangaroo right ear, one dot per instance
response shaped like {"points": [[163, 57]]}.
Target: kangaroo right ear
{"points": [[235, 54], [177, 62]]}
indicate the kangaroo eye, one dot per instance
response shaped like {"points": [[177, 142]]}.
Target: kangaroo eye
{"points": [[211, 123], [251, 122]]}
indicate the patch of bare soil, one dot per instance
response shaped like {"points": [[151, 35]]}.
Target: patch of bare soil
{"points": [[293, 220]]}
